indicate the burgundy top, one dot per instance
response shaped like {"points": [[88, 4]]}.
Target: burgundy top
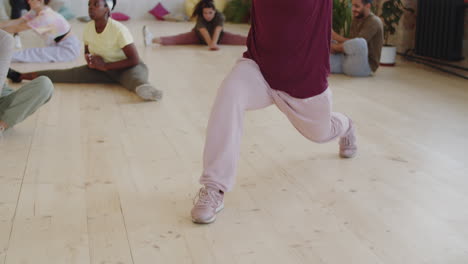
{"points": [[290, 41]]}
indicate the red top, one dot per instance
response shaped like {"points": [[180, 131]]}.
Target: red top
{"points": [[290, 41]]}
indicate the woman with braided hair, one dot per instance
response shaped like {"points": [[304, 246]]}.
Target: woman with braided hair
{"points": [[110, 54], [209, 30]]}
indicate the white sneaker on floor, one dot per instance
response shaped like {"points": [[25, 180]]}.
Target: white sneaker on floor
{"points": [[147, 36], [209, 202], [18, 44], [348, 147], [148, 92]]}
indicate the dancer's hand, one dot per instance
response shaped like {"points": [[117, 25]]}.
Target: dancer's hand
{"points": [[97, 62], [214, 47], [88, 60]]}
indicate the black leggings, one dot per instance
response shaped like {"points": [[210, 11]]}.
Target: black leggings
{"points": [[17, 6]]}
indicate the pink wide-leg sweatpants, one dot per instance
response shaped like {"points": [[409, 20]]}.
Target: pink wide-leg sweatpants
{"points": [[246, 89]]}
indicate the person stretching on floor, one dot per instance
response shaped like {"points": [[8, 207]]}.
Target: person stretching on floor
{"points": [[359, 56], [62, 44], [208, 30], [289, 70], [110, 54], [15, 106]]}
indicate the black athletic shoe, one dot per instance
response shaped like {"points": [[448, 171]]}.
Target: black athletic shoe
{"points": [[14, 76]]}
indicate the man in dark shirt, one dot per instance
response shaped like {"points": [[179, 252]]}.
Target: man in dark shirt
{"points": [[286, 64], [358, 55]]}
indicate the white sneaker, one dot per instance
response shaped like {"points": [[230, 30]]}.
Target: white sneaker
{"points": [[209, 202], [348, 147], [18, 44], [147, 36], [148, 92]]}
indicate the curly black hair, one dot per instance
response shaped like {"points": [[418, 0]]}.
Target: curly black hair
{"points": [[198, 10]]}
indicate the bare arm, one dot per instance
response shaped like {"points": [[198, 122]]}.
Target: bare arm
{"points": [[338, 37], [10, 23], [216, 35], [16, 26], [206, 35], [96, 62], [337, 48]]}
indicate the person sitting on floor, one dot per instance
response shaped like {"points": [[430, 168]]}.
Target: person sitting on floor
{"points": [[62, 44], [110, 54], [359, 55], [17, 106], [209, 30]]}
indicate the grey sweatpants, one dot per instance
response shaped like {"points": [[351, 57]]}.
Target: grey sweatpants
{"points": [[354, 62], [66, 50], [129, 78]]}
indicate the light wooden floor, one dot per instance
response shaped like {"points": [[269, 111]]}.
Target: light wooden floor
{"points": [[97, 176]]}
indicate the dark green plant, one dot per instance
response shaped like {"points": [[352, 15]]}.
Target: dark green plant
{"points": [[342, 17], [392, 11], [238, 11], [375, 7]]}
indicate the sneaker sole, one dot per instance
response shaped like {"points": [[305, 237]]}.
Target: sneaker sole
{"points": [[211, 220], [343, 156], [347, 157]]}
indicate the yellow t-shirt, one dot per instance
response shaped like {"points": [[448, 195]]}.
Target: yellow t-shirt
{"points": [[109, 43]]}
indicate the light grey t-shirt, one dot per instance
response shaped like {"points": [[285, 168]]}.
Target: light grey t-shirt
{"points": [[6, 51]]}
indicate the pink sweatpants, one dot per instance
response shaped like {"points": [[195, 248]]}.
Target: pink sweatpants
{"points": [[246, 89], [191, 38]]}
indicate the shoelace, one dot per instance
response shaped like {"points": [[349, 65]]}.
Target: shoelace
{"points": [[346, 140], [204, 197]]}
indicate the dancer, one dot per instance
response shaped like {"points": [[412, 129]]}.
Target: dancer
{"points": [[62, 44], [289, 70], [359, 55], [17, 106], [110, 54], [209, 30]]}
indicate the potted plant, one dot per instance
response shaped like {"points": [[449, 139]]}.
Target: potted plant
{"points": [[342, 17], [392, 11], [238, 11]]}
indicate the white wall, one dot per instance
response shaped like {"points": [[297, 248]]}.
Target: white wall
{"points": [[133, 8]]}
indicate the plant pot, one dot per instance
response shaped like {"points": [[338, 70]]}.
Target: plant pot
{"points": [[388, 56]]}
